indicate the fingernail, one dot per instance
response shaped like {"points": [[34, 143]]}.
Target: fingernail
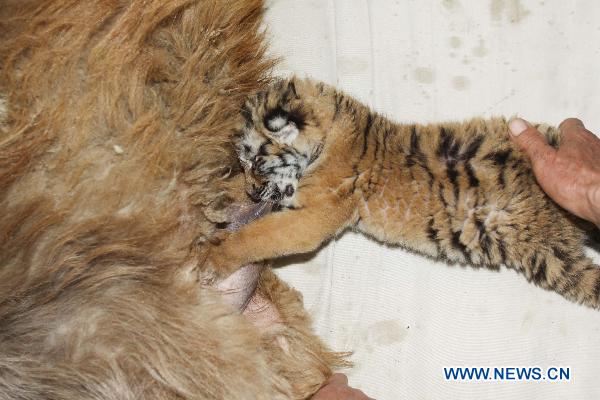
{"points": [[518, 126]]}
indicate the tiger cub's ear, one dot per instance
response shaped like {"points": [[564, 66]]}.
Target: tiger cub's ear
{"points": [[283, 126]]}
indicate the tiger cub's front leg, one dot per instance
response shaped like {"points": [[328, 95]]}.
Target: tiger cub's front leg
{"points": [[282, 233]]}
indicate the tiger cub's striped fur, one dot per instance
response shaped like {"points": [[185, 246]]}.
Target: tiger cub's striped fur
{"points": [[458, 191]]}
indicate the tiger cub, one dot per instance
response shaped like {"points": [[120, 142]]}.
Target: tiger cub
{"points": [[457, 191]]}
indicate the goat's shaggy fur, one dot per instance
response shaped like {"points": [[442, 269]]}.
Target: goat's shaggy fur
{"points": [[115, 120]]}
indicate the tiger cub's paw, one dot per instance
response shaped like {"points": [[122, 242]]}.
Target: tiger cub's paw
{"points": [[220, 262]]}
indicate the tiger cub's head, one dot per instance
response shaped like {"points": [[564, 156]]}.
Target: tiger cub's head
{"points": [[282, 137]]}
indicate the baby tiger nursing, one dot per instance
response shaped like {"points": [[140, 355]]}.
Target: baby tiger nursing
{"points": [[458, 191]]}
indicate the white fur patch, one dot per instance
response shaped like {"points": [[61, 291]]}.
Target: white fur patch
{"points": [[277, 123], [288, 133]]}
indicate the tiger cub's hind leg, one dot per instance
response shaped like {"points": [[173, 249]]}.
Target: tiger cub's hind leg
{"points": [[547, 249], [565, 270], [574, 276], [563, 267], [559, 265]]}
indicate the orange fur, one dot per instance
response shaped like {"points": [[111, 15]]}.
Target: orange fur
{"points": [[115, 166], [458, 191]]}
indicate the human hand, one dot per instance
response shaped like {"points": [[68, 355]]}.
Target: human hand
{"points": [[570, 175], [337, 388]]}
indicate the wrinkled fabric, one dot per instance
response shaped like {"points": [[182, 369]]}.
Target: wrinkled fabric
{"points": [[404, 316]]}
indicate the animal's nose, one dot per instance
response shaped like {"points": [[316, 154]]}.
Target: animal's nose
{"points": [[289, 190]]}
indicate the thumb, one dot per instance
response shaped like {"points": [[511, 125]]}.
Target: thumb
{"points": [[339, 379], [532, 142]]}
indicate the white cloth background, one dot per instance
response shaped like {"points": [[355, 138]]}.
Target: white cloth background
{"points": [[406, 317]]}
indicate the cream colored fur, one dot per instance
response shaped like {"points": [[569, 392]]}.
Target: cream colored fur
{"points": [[115, 165]]}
